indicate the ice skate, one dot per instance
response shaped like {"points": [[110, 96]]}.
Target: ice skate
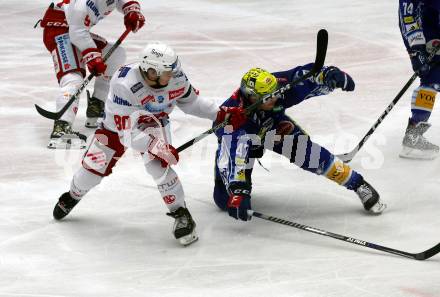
{"points": [[65, 204], [63, 137], [370, 198], [184, 226], [95, 110], [415, 145]]}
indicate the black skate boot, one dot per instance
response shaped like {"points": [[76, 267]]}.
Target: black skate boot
{"points": [[415, 145], [65, 204], [63, 137], [95, 110], [370, 198], [184, 226]]}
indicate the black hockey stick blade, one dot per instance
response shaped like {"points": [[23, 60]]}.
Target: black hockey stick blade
{"points": [[321, 50], [419, 256], [47, 114], [57, 115], [54, 115], [428, 253]]}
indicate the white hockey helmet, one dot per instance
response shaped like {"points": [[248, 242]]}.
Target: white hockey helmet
{"points": [[160, 57]]}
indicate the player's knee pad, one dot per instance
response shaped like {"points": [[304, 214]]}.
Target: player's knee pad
{"points": [[154, 167], [82, 182], [171, 189], [69, 84], [103, 153]]}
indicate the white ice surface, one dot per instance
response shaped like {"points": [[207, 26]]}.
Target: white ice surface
{"points": [[118, 242]]}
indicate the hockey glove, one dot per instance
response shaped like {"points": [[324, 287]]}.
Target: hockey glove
{"points": [[236, 116], [93, 58], [133, 18], [238, 205], [419, 60], [335, 78], [163, 152]]}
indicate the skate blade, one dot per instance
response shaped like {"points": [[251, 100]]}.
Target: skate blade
{"points": [[188, 239], [411, 153], [91, 123], [66, 143], [377, 208]]}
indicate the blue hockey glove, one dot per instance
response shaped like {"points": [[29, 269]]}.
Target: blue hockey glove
{"points": [[419, 60], [238, 205], [335, 78]]}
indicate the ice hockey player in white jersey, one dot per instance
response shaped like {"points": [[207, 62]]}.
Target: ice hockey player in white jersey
{"points": [[141, 97], [72, 46]]}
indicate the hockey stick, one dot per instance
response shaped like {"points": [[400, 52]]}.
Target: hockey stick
{"points": [[347, 157], [57, 115], [417, 256], [321, 51]]}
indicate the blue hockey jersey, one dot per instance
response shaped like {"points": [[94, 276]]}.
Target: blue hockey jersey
{"points": [[419, 21], [235, 149]]}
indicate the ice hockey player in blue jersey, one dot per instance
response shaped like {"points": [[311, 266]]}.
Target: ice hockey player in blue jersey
{"points": [[420, 27], [269, 128]]}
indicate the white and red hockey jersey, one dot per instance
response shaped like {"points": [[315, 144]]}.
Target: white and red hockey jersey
{"points": [[130, 95], [81, 15]]}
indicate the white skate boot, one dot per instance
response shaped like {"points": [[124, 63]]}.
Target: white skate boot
{"points": [[415, 145]]}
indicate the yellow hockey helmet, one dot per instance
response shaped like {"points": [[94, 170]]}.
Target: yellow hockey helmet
{"points": [[258, 82]]}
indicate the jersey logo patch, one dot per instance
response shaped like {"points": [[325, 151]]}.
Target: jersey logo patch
{"points": [[147, 99], [120, 101], [282, 79], [123, 71], [408, 19], [136, 87], [93, 8], [169, 199], [160, 99], [65, 52], [176, 93]]}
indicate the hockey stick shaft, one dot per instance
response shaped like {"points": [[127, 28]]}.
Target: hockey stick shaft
{"points": [[57, 115], [321, 51], [347, 157], [417, 256]]}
